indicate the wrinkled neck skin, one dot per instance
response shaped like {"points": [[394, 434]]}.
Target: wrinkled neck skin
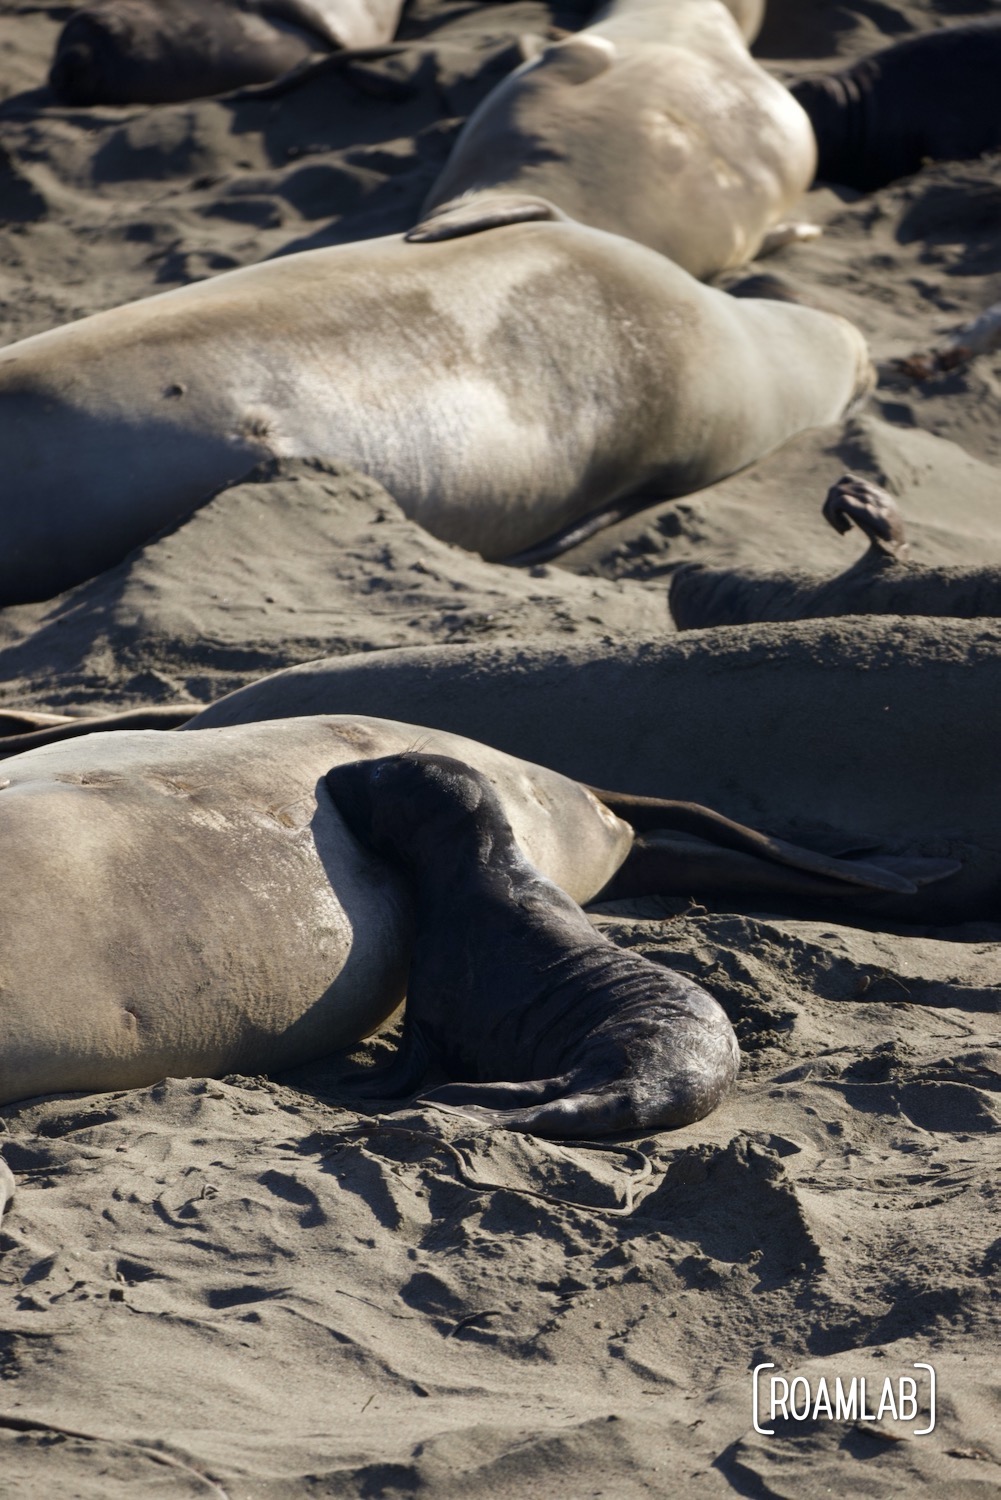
{"points": [[839, 109]]}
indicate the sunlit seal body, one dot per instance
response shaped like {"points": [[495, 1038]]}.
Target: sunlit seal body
{"points": [[881, 582], [499, 387], [159, 51], [928, 98], [655, 123], [554, 1029], [193, 904]]}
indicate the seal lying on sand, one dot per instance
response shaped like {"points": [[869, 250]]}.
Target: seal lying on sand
{"points": [[160, 51], [655, 123], [192, 903], [928, 98], [808, 729], [499, 387], [880, 583], [557, 1030]]}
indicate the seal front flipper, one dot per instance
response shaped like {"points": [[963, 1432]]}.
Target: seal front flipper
{"points": [[854, 500], [399, 1077], [480, 211], [6, 1186]]}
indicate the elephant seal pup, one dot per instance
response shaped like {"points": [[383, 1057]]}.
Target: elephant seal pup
{"points": [[929, 98], [880, 583], [193, 903], [499, 387], [552, 1028], [655, 123], [162, 51]]}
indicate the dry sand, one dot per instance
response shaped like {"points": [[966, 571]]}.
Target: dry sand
{"points": [[238, 1288]]}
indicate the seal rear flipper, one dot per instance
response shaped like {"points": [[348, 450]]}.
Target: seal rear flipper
{"points": [[663, 864], [475, 214], [64, 728], [661, 816]]}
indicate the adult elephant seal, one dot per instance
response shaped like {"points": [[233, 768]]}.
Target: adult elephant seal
{"points": [[655, 123], [499, 387], [928, 98], [552, 1028], [191, 904], [161, 51], [880, 583]]}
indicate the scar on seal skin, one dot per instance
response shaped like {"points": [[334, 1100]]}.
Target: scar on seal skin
{"points": [[881, 582], [552, 1029]]}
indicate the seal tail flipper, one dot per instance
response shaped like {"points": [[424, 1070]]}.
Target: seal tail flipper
{"points": [[664, 864], [30, 738], [657, 815], [476, 213]]}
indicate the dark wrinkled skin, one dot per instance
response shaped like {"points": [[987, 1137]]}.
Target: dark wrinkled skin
{"points": [[551, 1028], [137, 52], [931, 97]]}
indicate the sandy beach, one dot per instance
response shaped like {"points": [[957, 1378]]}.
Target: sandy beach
{"points": [[240, 1288]]}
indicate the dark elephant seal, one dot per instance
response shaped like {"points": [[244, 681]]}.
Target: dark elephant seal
{"points": [[654, 123], [552, 1029], [193, 904], [929, 98], [161, 51], [499, 388], [879, 583]]}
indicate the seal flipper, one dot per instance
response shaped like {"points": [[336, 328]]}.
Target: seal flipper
{"points": [[664, 864], [163, 716], [399, 1077], [6, 1186], [473, 214], [660, 815]]}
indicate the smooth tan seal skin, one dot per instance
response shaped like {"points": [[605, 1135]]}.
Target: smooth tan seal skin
{"points": [[554, 1030], [193, 904], [884, 728], [654, 123], [879, 583], [161, 51], [498, 386]]}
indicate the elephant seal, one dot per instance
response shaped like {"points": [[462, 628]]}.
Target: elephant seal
{"points": [[498, 387], [928, 98], [880, 583], [814, 729], [163, 51], [553, 1029], [654, 123], [193, 903]]}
